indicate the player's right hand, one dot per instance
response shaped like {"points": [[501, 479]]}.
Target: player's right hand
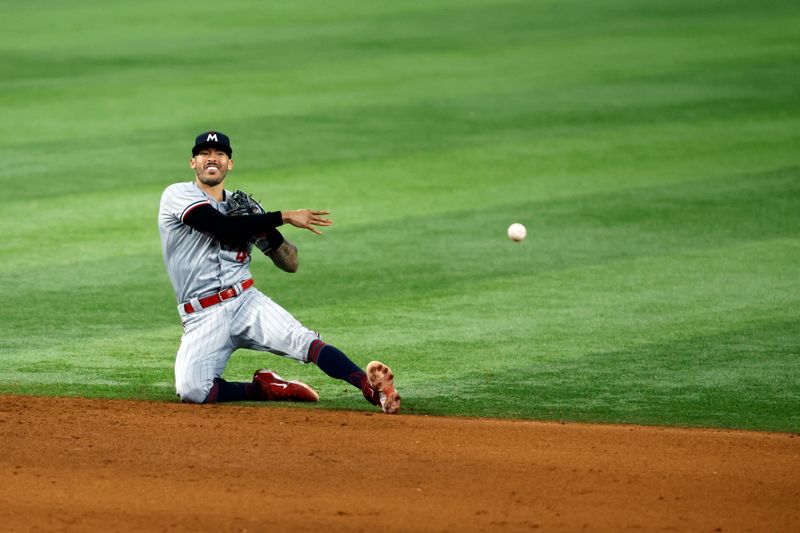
{"points": [[306, 219]]}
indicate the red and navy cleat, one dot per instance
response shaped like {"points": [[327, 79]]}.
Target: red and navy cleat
{"points": [[273, 388], [381, 379]]}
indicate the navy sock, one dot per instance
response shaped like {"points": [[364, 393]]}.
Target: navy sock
{"points": [[337, 365], [229, 391]]}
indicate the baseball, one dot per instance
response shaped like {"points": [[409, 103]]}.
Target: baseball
{"points": [[517, 232]]}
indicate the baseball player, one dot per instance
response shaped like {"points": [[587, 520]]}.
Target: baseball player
{"points": [[206, 240]]}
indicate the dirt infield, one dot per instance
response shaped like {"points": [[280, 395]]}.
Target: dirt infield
{"points": [[98, 465]]}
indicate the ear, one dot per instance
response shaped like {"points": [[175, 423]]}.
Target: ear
{"points": [[192, 163], [230, 164]]}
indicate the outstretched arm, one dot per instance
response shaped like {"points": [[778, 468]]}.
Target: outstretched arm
{"points": [[242, 228]]}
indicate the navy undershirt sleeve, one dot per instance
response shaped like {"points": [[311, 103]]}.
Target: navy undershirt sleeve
{"points": [[231, 229]]}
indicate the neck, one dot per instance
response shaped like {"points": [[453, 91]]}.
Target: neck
{"points": [[215, 191]]}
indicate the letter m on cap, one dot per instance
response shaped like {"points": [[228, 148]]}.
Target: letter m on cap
{"points": [[212, 137]]}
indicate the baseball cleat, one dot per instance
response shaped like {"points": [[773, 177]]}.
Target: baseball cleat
{"points": [[273, 388], [381, 379]]}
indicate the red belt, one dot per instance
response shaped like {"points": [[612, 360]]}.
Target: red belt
{"points": [[221, 296]]}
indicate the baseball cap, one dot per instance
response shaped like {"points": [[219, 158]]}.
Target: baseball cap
{"points": [[212, 139]]}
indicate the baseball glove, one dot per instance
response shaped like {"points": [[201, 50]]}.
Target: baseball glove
{"points": [[240, 203]]}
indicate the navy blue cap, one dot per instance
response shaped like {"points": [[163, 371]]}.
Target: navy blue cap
{"points": [[213, 139]]}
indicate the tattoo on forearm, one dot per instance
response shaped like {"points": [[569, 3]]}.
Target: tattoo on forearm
{"points": [[285, 257]]}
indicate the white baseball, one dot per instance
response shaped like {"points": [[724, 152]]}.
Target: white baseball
{"points": [[517, 232]]}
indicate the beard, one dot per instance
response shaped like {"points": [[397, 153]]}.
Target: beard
{"points": [[211, 181]]}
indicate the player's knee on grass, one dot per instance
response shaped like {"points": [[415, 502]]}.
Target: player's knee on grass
{"points": [[194, 393]]}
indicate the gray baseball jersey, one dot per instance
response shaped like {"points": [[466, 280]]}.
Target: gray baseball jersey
{"points": [[199, 266]]}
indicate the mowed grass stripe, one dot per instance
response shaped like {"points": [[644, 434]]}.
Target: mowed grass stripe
{"points": [[507, 165], [401, 81], [592, 228]]}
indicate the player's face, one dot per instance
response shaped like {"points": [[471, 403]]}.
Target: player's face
{"points": [[211, 165]]}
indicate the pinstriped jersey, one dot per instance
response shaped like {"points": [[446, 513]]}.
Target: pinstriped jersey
{"points": [[197, 263]]}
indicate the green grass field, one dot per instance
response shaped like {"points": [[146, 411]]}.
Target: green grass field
{"points": [[650, 149]]}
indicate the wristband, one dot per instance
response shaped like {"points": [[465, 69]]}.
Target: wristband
{"points": [[272, 241]]}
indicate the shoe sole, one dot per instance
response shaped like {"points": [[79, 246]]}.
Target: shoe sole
{"points": [[381, 379]]}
